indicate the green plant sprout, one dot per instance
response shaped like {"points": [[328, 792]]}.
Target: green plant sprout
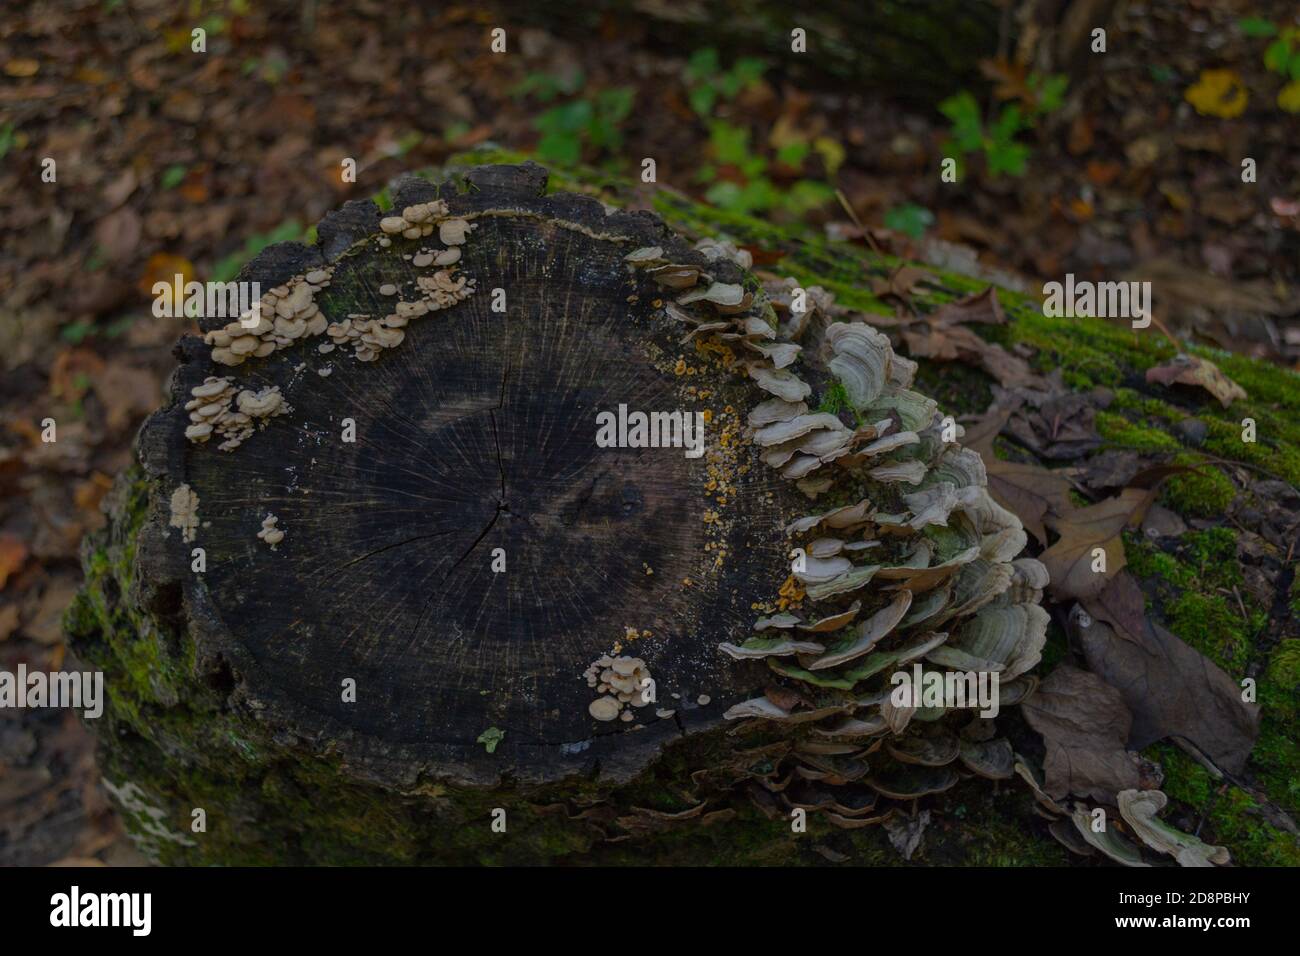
{"points": [[592, 123], [739, 175], [707, 82], [996, 139], [1282, 57]]}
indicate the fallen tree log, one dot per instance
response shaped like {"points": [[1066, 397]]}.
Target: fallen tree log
{"points": [[919, 51], [429, 654]]}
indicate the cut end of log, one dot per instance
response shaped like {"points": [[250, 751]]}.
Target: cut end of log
{"points": [[450, 535]]}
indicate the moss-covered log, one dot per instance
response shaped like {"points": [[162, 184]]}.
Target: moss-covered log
{"points": [[225, 690]]}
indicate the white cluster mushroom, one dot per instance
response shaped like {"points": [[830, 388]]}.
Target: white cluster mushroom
{"points": [[219, 407], [370, 336], [416, 221], [622, 680], [270, 533], [289, 312], [281, 317]]}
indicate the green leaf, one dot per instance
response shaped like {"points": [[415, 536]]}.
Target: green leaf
{"points": [[545, 87], [831, 152], [1008, 124], [703, 65], [730, 143], [1256, 27], [1050, 91], [749, 69], [569, 118], [707, 173], [615, 103], [74, 333], [759, 195], [118, 327], [967, 122], [702, 99], [226, 269], [753, 166], [725, 195], [562, 148], [962, 109], [1277, 55], [1008, 158], [910, 219], [173, 175], [793, 154], [806, 195]]}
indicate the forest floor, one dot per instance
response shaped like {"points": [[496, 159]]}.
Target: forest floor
{"points": [[170, 161]]}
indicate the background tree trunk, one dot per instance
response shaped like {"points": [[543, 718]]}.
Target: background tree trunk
{"points": [[918, 51], [225, 696]]}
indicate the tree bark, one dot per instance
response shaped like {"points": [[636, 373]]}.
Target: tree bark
{"points": [[917, 51]]}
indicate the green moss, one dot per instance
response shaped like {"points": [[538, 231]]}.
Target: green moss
{"points": [[1204, 493], [1195, 590], [1210, 623], [1116, 430], [835, 399], [1147, 561], [1233, 817], [1284, 665]]}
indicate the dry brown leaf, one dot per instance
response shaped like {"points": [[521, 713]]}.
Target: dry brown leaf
{"points": [[979, 307], [13, 552], [1196, 371], [901, 282], [1029, 491], [1123, 606], [9, 620], [1171, 690], [957, 342], [1070, 560], [119, 189], [1085, 727], [118, 234], [46, 624], [89, 493], [127, 393], [72, 371], [944, 335]]}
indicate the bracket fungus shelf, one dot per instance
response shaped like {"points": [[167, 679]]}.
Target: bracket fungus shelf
{"points": [[425, 589]]}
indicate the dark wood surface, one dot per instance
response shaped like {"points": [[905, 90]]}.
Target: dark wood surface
{"points": [[476, 433]]}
